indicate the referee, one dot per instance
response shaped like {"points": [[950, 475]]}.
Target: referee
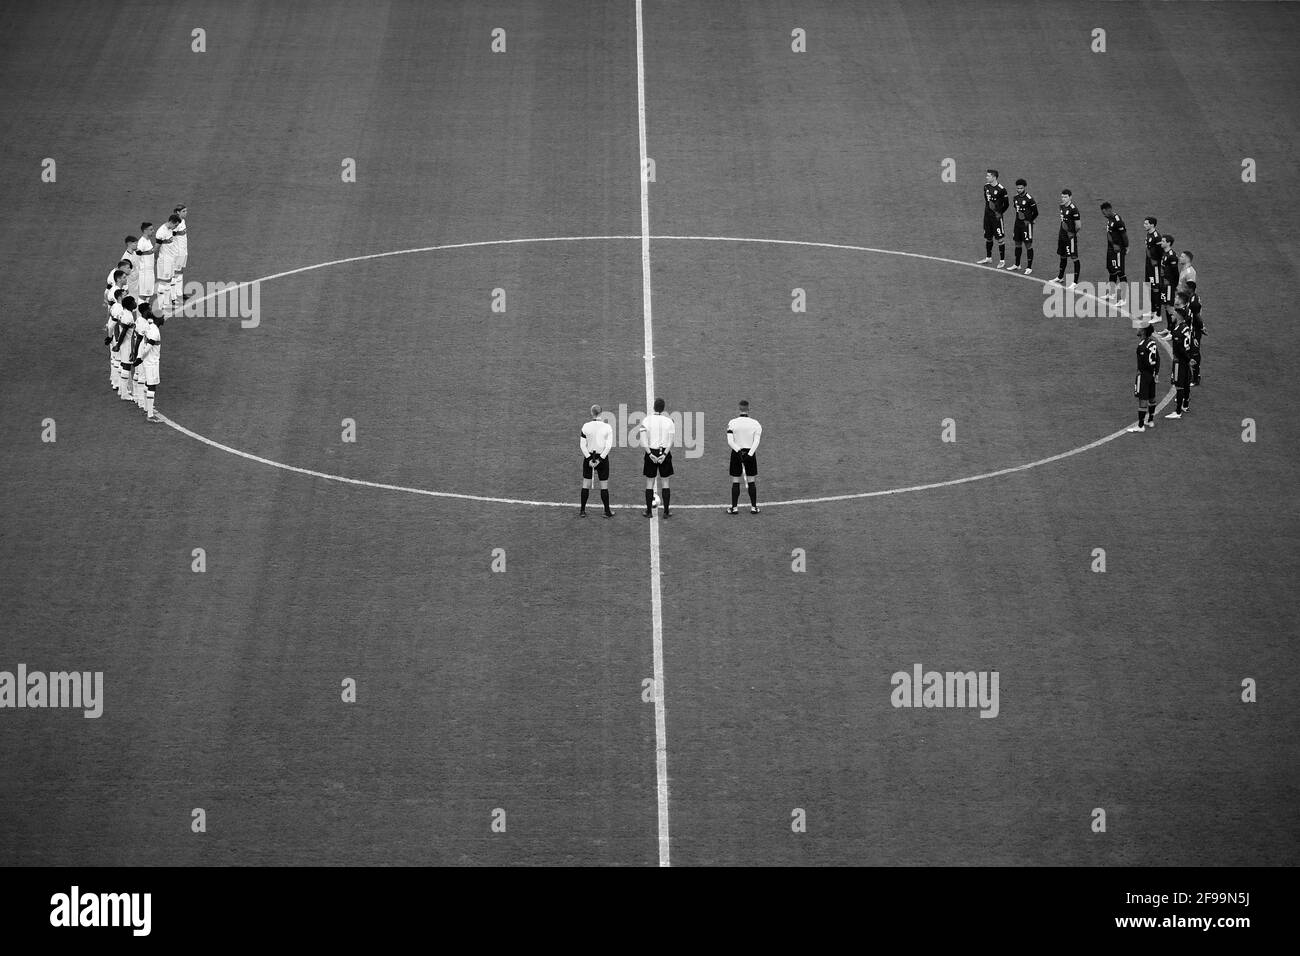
{"points": [[595, 440], [657, 434], [743, 435]]}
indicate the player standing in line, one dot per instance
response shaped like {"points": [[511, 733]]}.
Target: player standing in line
{"points": [[1154, 252], [1148, 373], [143, 313], [148, 361], [1168, 270], [145, 259], [132, 274], [1186, 271], [657, 434], [1181, 369], [995, 204], [112, 328], [595, 439], [1198, 329], [166, 267], [125, 342], [116, 280], [1116, 251], [1067, 242], [1023, 231], [743, 435], [181, 240]]}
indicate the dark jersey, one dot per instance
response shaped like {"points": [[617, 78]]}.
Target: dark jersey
{"points": [[1148, 356], [1183, 341], [1069, 219], [995, 198], [1026, 208], [1169, 268], [1116, 232], [1154, 249]]}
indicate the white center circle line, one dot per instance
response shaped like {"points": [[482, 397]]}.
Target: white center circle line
{"points": [[487, 499]]}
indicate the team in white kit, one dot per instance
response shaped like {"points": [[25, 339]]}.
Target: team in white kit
{"points": [[140, 292]]}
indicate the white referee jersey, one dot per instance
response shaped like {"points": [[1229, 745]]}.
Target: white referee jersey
{"points": [[658, 431], [743, 433], [597, 438]]}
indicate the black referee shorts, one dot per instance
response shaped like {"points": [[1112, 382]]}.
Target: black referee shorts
{"points": [[602, 468], [743, 459], [662, 470]]}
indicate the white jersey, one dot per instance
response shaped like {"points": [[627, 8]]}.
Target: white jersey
{"points": [[132, 277], [596, 438], [744, 433], [150, 352], [166, 252], [124, 348], [181, 241], [144, 249]]}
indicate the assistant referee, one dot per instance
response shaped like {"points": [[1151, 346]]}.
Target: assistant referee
{"points": [[595, 440], [743, 435]]}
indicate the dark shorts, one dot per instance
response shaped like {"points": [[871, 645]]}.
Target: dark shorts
{"points": [[1024, 231], [746, 461], [1181, 376], [1115, 262], [993, 226], [663, 470], [602, 469], [1146, 388], [1067, 246]]}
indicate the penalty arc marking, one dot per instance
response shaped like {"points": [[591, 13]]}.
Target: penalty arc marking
{"points": [[487, 499]]}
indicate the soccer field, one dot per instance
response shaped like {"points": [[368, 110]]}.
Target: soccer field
{"points": [[341, 600]]}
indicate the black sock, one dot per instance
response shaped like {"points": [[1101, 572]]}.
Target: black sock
{"points": [[1029, 258], [585, 492], [753, 494], [1002, 251], [1076, 270], [988, 248], [735, 493], [1018, 252], [604, 499], [667, 497], [1060, 273], [649, 498]]}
